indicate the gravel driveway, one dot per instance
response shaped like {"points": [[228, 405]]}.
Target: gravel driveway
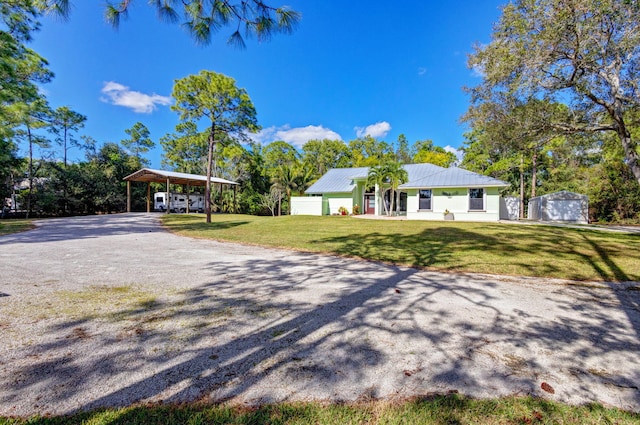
{"points": [[113, 310]]}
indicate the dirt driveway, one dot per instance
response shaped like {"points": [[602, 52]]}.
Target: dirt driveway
{"points": [[113, 310]]}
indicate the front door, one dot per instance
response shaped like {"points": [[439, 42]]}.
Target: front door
{"points": [[369, 203]]}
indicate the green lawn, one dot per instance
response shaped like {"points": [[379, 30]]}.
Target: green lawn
{"points": [[496, 248], [446, 409], [8, 226]]}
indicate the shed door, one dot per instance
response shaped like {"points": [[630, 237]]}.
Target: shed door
{"points": [[565, 210]]}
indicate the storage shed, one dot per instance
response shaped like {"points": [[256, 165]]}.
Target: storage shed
{"points": [[563, 206]]}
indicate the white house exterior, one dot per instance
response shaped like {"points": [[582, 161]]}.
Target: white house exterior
{"points": [[429, 192]]}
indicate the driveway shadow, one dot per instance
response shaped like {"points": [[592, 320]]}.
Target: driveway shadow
{"points": [[290, 326], [256, 335]]}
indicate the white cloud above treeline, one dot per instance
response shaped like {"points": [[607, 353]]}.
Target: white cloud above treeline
{"points": [[459, 153], [296, 136], [121, 95], [379, 129]]}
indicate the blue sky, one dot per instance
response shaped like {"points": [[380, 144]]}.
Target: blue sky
{"points": [[351, 68]]}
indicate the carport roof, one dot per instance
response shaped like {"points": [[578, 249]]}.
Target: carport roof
{"points": [[160, 176]]}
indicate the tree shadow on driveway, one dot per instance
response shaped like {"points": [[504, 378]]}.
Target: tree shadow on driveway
{"points": [[319, 327], [261, 326]]}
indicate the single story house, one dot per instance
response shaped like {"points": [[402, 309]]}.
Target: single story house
{"points": [[429, 192], [563, 206]]}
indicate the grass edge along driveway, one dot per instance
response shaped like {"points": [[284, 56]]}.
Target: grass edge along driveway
{"points": [[493, 248], [434, 409], [9, 226]]}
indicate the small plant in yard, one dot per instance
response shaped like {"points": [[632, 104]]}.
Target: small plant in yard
{"points": [[343, 211], [356, 209]]}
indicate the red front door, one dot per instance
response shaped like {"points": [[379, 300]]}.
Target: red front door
{"points": [[370, 204]]}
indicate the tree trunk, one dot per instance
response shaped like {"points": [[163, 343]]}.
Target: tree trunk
{"points": [[64, 178], [207, 187], [521, 187], [384, 204], [279, 202], [392, 198], [630, 154], [29, 193], [534, 172]]}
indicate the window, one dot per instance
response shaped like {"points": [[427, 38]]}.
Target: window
{"points": [[424, 202], [476, 199], [159, 199]]}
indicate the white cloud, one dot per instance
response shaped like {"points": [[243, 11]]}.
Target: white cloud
{"points": [[459, 153], [121, 95], [422, 70], [297, 136], [379, 129]]}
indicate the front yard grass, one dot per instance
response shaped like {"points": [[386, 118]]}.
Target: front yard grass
{"points": [[441, 409], [8, 226], [494, 248]]}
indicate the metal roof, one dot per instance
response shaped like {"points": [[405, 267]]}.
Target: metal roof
{"points": [[160, 176], [341, 180], [562, 195], [338, 180], [453, 177]]}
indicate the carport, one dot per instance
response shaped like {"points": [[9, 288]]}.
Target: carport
{"points": [[149, 176]]}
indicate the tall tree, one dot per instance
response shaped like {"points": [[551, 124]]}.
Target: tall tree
{"points": [[185, 150], [139, 142], [202, 18], [321, 155], [403, 151], [426, 152], [585, 52], [216, 98], [367, 151], [64, 123], [279, 153], [29, 118]]}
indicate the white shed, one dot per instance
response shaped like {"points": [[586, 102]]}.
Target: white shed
{"points": [[560, 206], [509, 208]]}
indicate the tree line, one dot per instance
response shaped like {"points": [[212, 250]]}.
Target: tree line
{"points": [[558, 105], [45, 182]]}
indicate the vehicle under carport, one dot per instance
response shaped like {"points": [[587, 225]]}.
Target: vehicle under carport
{"points": [[150, 175]]}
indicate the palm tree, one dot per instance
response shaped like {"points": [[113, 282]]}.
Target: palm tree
{"points": [[378, 177], [287, 178], [396, 175]]}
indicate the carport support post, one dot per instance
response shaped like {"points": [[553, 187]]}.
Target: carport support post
{"points": [[235, 187], [187, 198], [128, 196], [168, 195], [148, 197]]}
